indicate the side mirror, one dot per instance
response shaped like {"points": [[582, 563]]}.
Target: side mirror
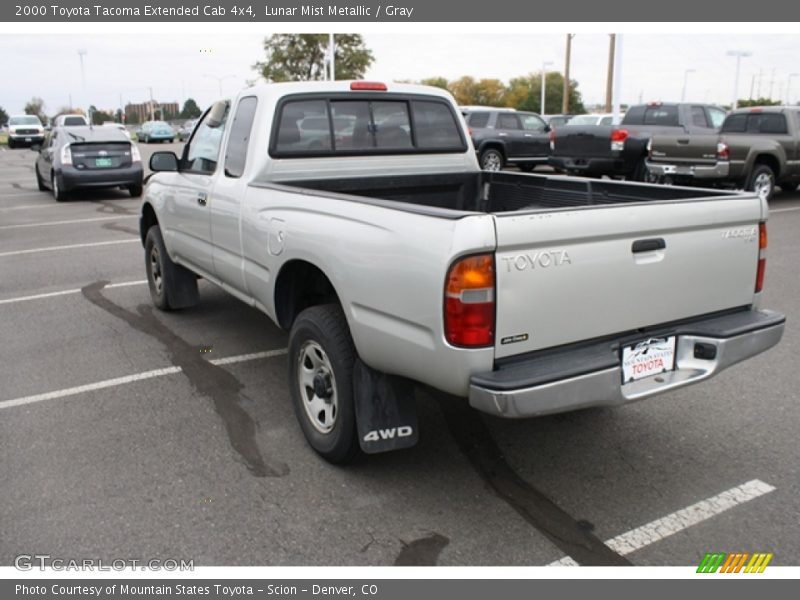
{"points": [[216, 114], [163, 161]]}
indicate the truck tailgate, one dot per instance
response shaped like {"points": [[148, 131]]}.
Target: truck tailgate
{"points": [[580, 141], [555, 288], [684, 147]]}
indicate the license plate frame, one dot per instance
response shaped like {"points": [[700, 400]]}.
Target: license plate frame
{"points": [[103, 163], [648, 357]]}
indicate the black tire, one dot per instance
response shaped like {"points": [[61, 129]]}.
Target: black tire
{"points": [[10, 143], [641, 172], [171, 286], [492, 160], [135, 190], [59, 194], [320, 346], [762, 181], [39, 181], [527, 167], [789, 187]]}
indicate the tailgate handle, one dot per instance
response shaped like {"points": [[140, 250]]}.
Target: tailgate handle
{"points": [[683, 141], [648, 245]]}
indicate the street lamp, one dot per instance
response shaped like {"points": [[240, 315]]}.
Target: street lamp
{"points": [[789, 87], [739, 54], [81, 53], [219, 80], [545, 64], [685, 80]]}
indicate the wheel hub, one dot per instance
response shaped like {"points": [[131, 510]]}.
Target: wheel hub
{"points": [[322, 386]]}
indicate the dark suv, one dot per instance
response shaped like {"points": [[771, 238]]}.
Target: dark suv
{"points": [[505, 136]]}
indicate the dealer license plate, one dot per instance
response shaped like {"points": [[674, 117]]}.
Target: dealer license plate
{"points": [[28, 139], [648, 357], [103, 162]]}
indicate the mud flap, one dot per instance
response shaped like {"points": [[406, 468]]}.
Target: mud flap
{"points": [[386, 415]]}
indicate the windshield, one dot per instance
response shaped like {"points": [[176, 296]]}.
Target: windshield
{"points": [[28, 120], [583, 120]]}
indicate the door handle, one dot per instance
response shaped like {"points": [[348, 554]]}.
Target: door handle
{"points": [[683, 141], [648, 245], [528, 135], [202, 198]]}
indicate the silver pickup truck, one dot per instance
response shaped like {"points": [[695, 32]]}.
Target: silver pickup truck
{"points": [[355, 216]]}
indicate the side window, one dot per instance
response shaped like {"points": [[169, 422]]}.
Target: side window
{"points": [[478, 119], [203, 152], [507, 121], [304, 126], [735, 124], [532, 123], [606, 121], [236, 151], [716, 116], [435, 126], [772, 123], [699, 116]]}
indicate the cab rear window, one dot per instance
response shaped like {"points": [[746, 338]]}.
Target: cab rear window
{"points": [[655, 114], [364, 124]]}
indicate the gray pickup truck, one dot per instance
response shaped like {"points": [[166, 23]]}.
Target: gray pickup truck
{"points": [[621, 151], [355, 216], [755, 149]]}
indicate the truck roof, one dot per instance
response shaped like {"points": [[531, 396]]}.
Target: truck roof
{"points": [[310, 87]]}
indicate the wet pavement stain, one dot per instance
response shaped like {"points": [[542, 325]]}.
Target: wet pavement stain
{"points": [[110, 207], [572, 537], [121, 228], [423, 552], [209, 380]]}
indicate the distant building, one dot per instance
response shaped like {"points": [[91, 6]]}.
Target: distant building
{"points": [[145, 111]]}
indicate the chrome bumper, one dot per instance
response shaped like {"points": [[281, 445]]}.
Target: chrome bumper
{"points": [[604, 387], [718, 170]]}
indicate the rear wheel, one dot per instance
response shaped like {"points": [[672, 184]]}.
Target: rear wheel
{"points": [[789, 187], [492, 160], [527, 167], [59, 194], [171, 286], [762, 182], [321, 359], [10, 143]]}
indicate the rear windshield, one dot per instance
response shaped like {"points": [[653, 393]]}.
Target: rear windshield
{"points": [[478, 119], [657, 114], [72, 121], [774, 123], [364, 124]]}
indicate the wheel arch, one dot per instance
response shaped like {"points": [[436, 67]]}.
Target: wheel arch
{"points": [[299, 285], [147, 220]]}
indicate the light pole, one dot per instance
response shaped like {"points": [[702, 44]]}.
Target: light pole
{"points": [[331, 56], [789, 87], [739, 54], [565, 96], [545, 64], [219, 80], [685, 80], [81, 53]]}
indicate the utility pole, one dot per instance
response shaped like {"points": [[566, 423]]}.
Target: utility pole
{"points": [[617, 87], [610, 77], [545, 64], [752, 84], [152, 106], [565, 98], [685, 81]]}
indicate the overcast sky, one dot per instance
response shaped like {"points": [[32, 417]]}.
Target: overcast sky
{"points": [[125, 67]]}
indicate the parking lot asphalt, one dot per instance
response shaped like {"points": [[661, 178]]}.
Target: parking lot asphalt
{"points": [[130, 433]]}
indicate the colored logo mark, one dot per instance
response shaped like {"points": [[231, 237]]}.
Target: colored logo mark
{"points": [[735, 562]]}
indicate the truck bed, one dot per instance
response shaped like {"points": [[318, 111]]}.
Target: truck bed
{"points": [[498, 192]]}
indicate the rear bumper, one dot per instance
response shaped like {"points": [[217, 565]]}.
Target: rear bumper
{"points": [[586, 376], [718, 170], [71, 178], [589, 165]]}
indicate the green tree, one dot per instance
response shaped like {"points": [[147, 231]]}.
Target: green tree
{"points": [[36, 107], [440, 82], [302, 57], [758, 102], [190, 109], [525, 93], [3, 116]]}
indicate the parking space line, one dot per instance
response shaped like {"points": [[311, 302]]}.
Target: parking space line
{"points": [[657, 530], [69, 222], [25, 207], [118, 381], [68, 292], [69, 247]]}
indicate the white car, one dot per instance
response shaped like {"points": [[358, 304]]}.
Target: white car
{"points": [[24, 130], [598, 119]]}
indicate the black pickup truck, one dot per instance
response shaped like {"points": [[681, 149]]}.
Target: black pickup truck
{"points": [[755, 149], [621, 151]]}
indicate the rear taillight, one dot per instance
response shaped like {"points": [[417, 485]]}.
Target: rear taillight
{"points": [[469, 309], [66, 155], [762, 256], [618, 137], [135, 156], [723, 151], [552, 137]]}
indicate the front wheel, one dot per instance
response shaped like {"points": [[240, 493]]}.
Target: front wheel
{"points": [[527, 167], [135, 190], [171, 285], [39, 181], [321, 359], [492, 160], [762, 182]]}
